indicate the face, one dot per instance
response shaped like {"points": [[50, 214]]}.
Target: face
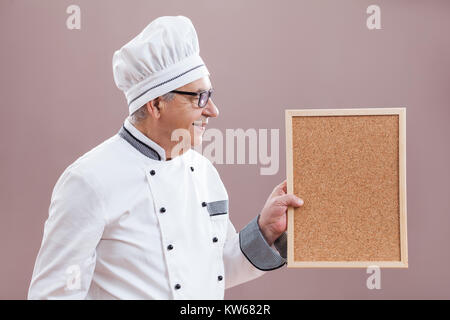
{"points": [[183, 112]]}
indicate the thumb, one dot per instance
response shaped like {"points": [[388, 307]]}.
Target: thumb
{"points": [[289, 200]]}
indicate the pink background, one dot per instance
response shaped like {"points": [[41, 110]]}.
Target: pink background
{"points": [[58, 100]]}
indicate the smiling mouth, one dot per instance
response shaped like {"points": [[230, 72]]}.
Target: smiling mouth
{"points": [[200, 123]]}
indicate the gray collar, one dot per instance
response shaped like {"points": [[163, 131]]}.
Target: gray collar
{"points": [[139, 145]]}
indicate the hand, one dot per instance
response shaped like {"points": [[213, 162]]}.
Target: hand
{"points": [[273, 217]]}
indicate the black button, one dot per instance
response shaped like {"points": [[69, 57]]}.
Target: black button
{"points": [[192, 168], [203, 204], [169, 247], [215, 239], [177, 286], [162, 210], [152, 172], [220, 278]]}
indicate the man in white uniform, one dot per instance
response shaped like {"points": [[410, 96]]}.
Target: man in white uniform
{"points": [[132, 218]]}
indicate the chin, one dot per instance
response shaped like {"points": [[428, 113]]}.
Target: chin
{"points": [[197, 140], [196, 136]]}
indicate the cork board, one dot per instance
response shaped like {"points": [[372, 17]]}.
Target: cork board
{"points": [[349, 167]]}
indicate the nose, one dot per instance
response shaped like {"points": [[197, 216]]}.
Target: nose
{"points": [[211, 109]]}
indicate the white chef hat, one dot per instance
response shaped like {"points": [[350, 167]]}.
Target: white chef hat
{"points": [[162, 58]]}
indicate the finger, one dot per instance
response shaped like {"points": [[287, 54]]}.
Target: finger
{"points": [[279, 189], [283, 186]]}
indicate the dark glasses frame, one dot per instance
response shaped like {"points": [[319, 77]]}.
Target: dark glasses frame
{"points": [[203, 96]]}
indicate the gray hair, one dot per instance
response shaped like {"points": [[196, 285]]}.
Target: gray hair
{"points": [[142, 113]]}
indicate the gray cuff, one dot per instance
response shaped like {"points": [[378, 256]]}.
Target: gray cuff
{"points": [[256, 249]]}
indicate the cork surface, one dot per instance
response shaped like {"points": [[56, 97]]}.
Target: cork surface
{"points": [[346, 169]]}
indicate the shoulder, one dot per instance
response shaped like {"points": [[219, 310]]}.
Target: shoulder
{"points": [[94, 158], [97, 166]]}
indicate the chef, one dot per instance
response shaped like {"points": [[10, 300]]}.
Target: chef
{"points": [[131, 219]]}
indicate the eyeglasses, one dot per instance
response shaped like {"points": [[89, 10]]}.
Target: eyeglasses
{"points": [[203, 96]]}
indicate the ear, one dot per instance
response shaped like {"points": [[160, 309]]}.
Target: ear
{"points": [[153, 108]]}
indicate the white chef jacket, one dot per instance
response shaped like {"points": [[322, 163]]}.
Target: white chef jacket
{"points": [[126, 224]]}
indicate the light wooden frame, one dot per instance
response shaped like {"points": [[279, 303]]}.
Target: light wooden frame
{"points": [[401, 112]]}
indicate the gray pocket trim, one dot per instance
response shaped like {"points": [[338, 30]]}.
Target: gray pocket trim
{"points": [[216, 208]]}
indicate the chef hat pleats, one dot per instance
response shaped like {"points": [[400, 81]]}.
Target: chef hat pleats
{"points": [[162, 58]]}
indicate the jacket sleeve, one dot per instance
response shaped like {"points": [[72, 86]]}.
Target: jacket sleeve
{"points": [[66, 260], [247, 255]]}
